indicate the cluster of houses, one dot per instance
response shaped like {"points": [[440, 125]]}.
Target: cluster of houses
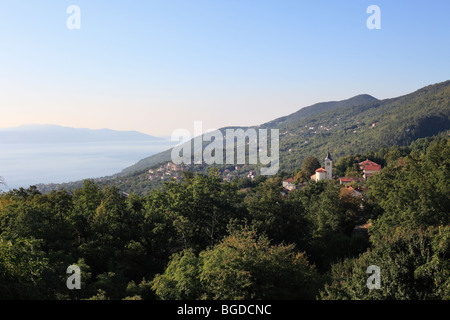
{"points": [[310, 129], [229, 174], [166, 172], [367, 167], [170, 171]]}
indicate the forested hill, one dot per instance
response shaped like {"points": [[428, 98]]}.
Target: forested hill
{"points": [[366, 127], [356, 125], [318, 108]]}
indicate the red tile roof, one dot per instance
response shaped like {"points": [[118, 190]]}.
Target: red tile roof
{"points": [[366, 162], [345, 179], [321, 170], [368, 165], [375, 167]]}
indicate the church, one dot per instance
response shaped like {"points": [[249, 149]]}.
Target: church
{"points": [[368, 168], [324, 173]]}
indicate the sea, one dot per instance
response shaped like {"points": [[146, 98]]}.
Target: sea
{"points": [[23, 165]]}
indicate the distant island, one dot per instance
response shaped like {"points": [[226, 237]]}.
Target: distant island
{"points": [[49, 133]]}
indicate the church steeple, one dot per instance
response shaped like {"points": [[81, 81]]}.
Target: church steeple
{"points": [[329, 166]]}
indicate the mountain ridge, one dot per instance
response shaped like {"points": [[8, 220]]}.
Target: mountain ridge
{"points": [[301, 113], [51, 133], [320, 107]]}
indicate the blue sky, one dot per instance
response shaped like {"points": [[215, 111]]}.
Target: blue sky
{"points": [[154, 66]]}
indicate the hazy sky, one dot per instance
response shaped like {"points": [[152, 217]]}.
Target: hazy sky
{"points": [[154, 66]]}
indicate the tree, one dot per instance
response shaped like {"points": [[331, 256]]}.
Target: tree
{"points": [[33, 215], [282, 219], [180, 280], [111, 221], [353, 172], [22, 265], [199, 208], [418, 192], [348, 166], [243, 266], [309, 166], [327, 208], [414, 265], [331, 217], [86, 200], [246, 266], [2, 182]]}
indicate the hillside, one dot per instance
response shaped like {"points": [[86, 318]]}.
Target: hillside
{"points": [[350, 126], [277, 123], [369, 126], [318, 108], [358, 125]]}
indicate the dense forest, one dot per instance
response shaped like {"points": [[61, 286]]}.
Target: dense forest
{"points": [[203, 238]]}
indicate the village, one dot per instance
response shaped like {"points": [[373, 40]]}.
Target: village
{"points": [[170, 171], [352, 184], [173, 172], [166, 172]]}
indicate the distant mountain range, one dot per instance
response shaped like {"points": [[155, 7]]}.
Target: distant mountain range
{"points": [[356, 125], [36, 133]]}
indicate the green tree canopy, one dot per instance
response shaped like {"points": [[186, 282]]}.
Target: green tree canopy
{"points": [[243, 266], [414, 265], [309, 166]]}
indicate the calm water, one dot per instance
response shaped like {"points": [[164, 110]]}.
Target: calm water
{"points": [[22, 165]]}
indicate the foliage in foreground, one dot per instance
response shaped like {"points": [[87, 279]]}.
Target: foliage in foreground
{"points": [[202, 238], [242, 267]]}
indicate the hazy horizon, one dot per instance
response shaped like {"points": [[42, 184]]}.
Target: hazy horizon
{"points": [[157, 66], [25, 165], [42, 125]]}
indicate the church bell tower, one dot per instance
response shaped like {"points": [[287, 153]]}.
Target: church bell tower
{"points": [[329, 167]]}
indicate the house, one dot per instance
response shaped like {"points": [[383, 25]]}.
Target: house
{"points": [[171, 166], [347, 180], [251, 175], [289, 184], [369, 168], [350, 191]]}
